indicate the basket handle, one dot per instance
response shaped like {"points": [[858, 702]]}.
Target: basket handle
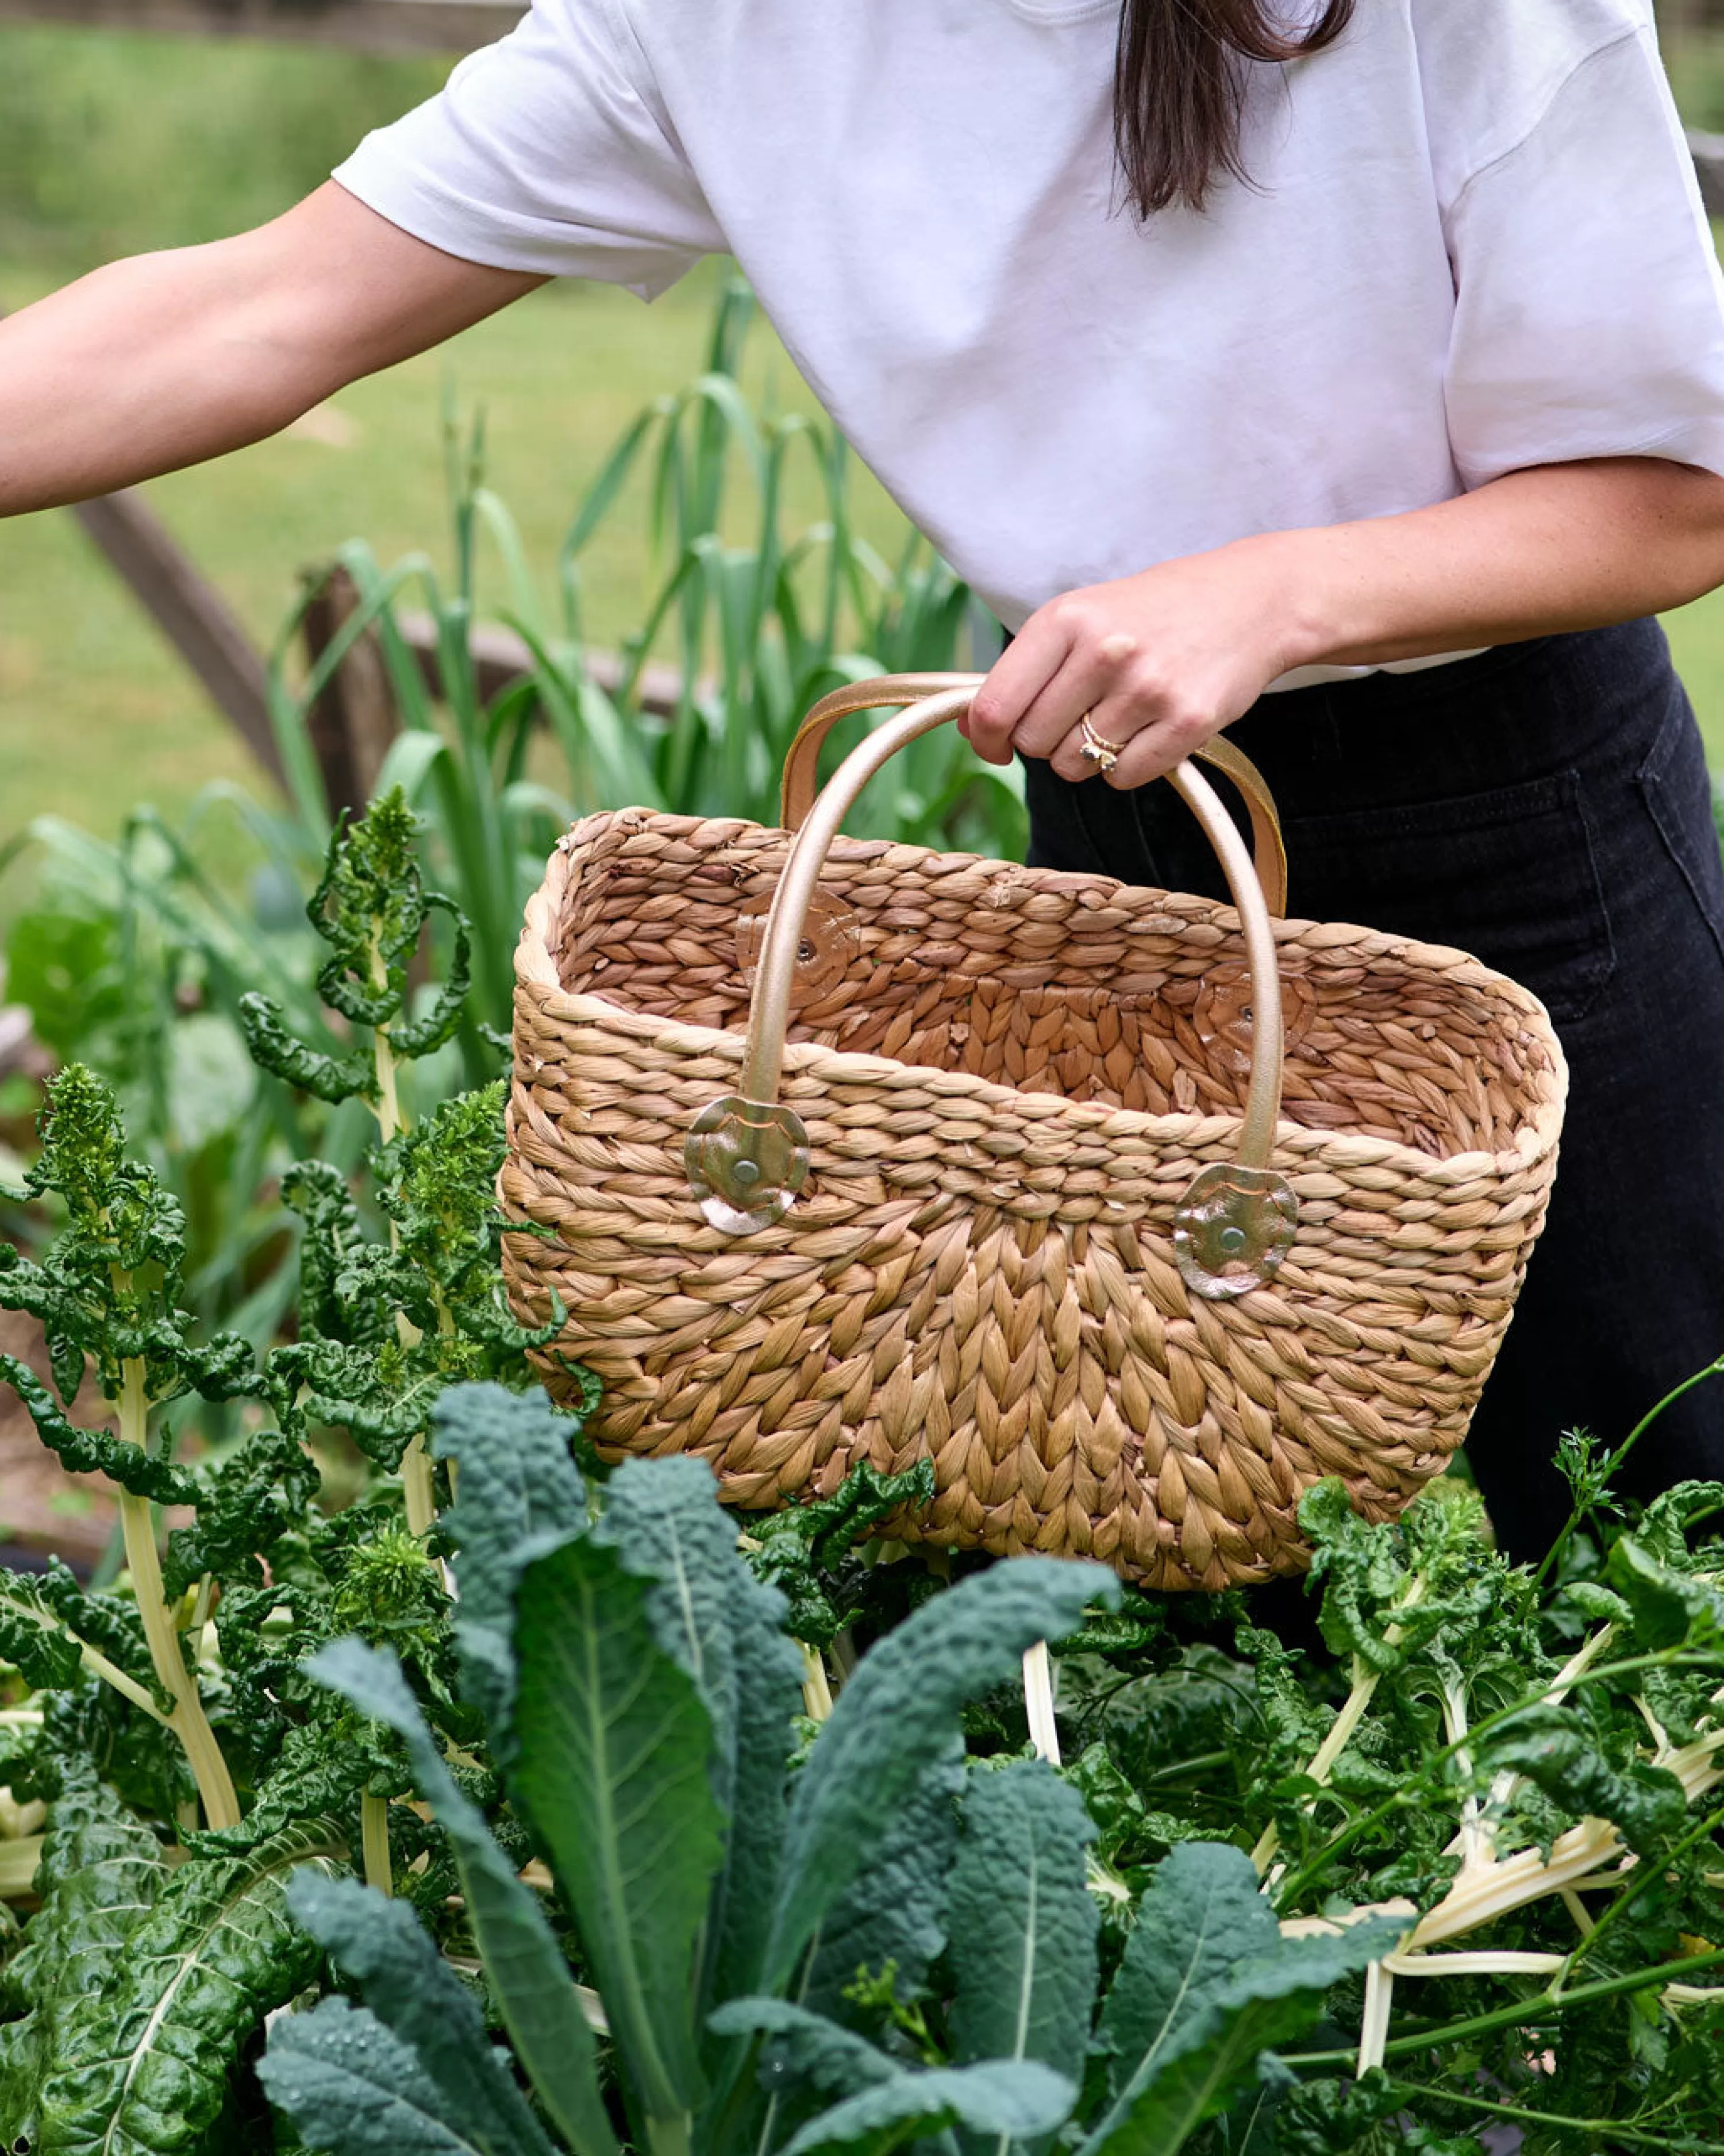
{"points": [[747, 1154], [802, 766]]}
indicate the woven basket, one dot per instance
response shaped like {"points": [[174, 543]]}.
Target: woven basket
{"points": [[1136, 1222]]}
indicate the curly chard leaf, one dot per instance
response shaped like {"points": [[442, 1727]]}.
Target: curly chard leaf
{"points": [[96, 1451], [100, 1871], [805, 1551], [411, 1038], [145, 1985], [1554, 1751], [369, 909], [274, 1047], [50, 1627], [260, 1493], [1670, 1606], [332, 1235]]}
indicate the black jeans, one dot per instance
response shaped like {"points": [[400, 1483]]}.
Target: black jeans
{"points": [[1546, 806]]}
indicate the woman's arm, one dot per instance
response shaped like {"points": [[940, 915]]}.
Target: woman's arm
{"points": [[166, 359], [1162, 661]]}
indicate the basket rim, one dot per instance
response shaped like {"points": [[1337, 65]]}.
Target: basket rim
{"points": [[1537, 1134]]}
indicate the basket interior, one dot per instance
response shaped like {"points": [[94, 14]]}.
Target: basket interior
{"points": [[1052, 984]]}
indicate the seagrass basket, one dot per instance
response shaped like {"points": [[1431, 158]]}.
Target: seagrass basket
{"points": [[1134, 1214]]}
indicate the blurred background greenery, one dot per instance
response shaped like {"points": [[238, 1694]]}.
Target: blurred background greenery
{"points": [[112, 143]]}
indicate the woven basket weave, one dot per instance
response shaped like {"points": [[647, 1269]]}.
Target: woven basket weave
{"points": [[1031, 1192]]}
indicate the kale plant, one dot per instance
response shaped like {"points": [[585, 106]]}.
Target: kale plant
{"points": [[859, 1942]]}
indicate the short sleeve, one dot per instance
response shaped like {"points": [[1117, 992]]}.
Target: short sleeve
{"points": [[1589, 306], [545, 153]]}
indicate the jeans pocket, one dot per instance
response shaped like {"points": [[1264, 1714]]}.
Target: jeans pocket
{"points": [[1677, 790], [1511, 875]]}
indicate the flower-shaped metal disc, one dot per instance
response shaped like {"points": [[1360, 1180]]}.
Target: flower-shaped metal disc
{"points": [[827, 951], [1225, 1008], [1232, 1229], [747, 1160]]}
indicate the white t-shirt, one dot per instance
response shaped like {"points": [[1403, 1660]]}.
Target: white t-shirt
{"points": [[1472, 242]]}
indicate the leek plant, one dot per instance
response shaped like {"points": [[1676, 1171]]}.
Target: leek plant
{"points": [[760, 619]]}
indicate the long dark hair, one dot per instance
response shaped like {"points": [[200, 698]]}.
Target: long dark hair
{"points": [[1179, 89]]}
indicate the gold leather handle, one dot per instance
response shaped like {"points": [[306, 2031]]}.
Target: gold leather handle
{"points": [[802, 766], [747, 1154]]}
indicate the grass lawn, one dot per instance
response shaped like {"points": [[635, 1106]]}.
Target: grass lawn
{"points": [[95, 713]]}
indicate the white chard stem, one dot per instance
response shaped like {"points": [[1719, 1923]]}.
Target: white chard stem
{"points": [[1353, 1713], [374, 1839], [187, 1720], [816, 1690], [416, 1490], [1039, 1703]]}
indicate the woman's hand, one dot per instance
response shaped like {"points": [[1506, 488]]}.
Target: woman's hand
{"points": [[1157, 663], [1160, 662]]}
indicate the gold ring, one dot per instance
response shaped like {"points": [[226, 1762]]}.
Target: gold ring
{"points": [[1102, 754]]}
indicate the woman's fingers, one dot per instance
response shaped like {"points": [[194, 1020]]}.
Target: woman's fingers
{"points": [[1030, 663], [1156, 663], [1144, 740]]}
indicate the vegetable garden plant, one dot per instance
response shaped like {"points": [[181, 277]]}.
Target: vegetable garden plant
{"points": [[512, 1804], [412, 1783]]}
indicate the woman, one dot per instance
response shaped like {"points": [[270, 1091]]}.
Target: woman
{"points": [[1248, 361]]}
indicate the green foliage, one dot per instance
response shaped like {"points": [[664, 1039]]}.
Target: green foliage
{"points": [[1022, 1922], [229, 133], [646, 1697], [371, 910], [200, 1672], [809, 1552], [613, 1774], [141, 1986]]}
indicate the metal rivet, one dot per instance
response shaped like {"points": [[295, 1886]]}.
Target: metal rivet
{"points": [[1233, 1239], [745, 1171]]}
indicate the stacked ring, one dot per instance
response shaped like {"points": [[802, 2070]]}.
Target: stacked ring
{"points": [[1104, 754]]}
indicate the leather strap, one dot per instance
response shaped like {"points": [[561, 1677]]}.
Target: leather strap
{"points": [[802, 765]]}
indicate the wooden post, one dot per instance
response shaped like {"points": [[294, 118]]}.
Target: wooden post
{"points": [[354, 717]]}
